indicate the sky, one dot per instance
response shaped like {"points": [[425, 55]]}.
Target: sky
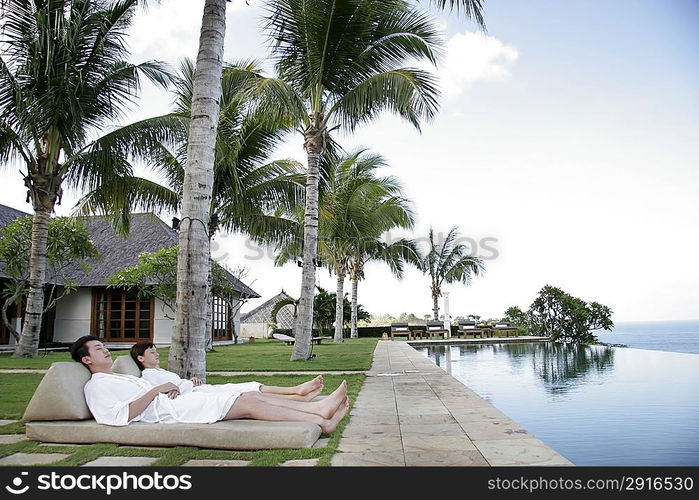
{"points": [[566, 150]]}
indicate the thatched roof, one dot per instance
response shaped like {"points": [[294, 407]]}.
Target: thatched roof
{"points": [[148, 234], [263, 312]]}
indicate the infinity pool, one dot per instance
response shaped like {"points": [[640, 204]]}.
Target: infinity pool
{"points": [[595, 405]]}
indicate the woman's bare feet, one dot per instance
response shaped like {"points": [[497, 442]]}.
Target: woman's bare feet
{"points": [[331, 424], [312, 385], [329, 406], [311, 395]]}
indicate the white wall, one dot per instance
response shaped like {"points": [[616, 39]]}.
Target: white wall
{"points": [[73, 316], [257, 330]]}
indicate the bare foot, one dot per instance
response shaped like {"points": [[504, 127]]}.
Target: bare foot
{"points": [[331, 424], [310, 386], [312, 395], [328, 406]]}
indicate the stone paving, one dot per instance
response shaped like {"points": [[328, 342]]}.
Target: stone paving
{"points": [[411, 413]]}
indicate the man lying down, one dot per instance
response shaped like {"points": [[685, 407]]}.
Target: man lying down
{"points": [[117, 399]]}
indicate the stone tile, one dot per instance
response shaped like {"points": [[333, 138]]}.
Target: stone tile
{"points": [[216, 463], [6, 422], [63, 445], [373, 412], [395, 459], [520, 452], [121, 462], [12, 438], [426, 419], [380, 430], [478, 414], [494, 429], [374, 420], [422, 410], [445, 458], [310, 462], [32, 458], [452, 429], [359, 444], [426, 443]]}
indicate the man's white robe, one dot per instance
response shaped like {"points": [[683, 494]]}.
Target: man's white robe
{"points": [[108, 397], [157, 376]]}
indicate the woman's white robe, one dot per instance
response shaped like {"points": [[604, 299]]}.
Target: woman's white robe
{"points": [[108, 397], [157, 376]]}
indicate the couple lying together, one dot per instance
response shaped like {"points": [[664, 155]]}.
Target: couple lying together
{"points": [[160, 396]]}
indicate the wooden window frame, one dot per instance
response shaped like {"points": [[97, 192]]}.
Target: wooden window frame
{"points": [[98, 292]]}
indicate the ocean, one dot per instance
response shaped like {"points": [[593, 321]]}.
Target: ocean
{"points": [[671, 336]]}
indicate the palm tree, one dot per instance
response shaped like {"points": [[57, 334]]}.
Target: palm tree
{"points": [[394, 254], [345, 60], [63, 76], [246, 191], [448, 262]]}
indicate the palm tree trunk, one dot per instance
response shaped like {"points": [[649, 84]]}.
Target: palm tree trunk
{"points": [[339, 307], [304, 320], [187, 353], [28, 345], [435, 306], [354, 333]]}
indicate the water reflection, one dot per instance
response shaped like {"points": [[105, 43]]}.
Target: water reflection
{"points": [[560, 367]]}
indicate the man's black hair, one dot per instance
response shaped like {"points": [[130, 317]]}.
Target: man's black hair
{"points": [[138, 349], [79, 349]]}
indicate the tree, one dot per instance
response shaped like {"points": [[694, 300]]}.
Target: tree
{"points": [[344, 59], [448, 261], [559, 315], [518, 318], [63, 76], [188, 344], [68, 241]]}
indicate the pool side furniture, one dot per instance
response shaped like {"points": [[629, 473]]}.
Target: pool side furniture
{"points": [[436, 328], [58, 413], [467, 328], [398, 329], [289, 340], [503, 327]]}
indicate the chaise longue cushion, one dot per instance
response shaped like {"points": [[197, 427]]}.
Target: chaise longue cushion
{"points": [[58, 413]]}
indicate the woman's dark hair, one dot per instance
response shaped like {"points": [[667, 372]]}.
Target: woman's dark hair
{"points": [[78, 350], [138, 349]]}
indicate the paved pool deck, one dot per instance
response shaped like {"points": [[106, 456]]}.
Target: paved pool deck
{"points": [[410, 412]]}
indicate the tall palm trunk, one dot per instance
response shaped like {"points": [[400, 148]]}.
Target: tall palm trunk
{"points": [[315, 145], [435, 305], [339, 307], [187, 353], [44, 192], [354, 332]]}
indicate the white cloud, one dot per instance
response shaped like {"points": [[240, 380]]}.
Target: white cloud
{"points": [[472, 57]]}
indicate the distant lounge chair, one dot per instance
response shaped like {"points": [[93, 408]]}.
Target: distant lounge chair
{"points": [[289, 340], [469, 328], [503, 327], [398, 329], [436, 328]]}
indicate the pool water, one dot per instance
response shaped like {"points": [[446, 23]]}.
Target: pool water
{"points": [[595, 405]]}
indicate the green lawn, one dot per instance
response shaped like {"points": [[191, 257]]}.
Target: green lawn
{"points": [[262, 355], [17, 390]]}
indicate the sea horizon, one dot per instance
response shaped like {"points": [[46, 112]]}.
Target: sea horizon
{"points": [[680, 336]]}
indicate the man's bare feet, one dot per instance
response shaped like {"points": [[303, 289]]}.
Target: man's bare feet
{"points": [[331, 424], [310, 386], [328, 406]]}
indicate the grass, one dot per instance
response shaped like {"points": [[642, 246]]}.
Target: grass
{"points": [[17, 389], [262, 355]]}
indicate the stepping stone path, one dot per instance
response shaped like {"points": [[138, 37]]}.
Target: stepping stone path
{"points": [[32, 459], [6, 422], [216, 463], [121, 462], [12, 438], [310, 462]]}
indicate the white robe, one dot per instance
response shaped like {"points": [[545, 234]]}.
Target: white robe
{"points": [[157, 376], [108, 397]]}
